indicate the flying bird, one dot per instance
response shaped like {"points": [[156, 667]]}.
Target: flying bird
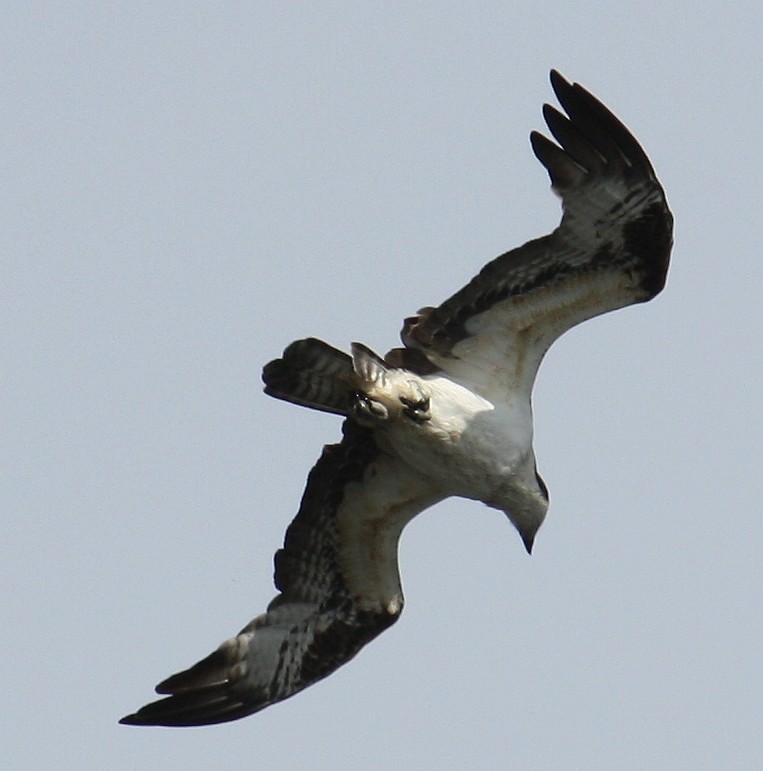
{"points": [[447, 414]]}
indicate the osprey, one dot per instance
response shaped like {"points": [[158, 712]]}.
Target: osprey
{"points": [[447, 414]]}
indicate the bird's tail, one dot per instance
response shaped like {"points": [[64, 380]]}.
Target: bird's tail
{"points": [[314, 374]]}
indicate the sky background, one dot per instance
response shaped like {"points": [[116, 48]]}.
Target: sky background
{"points": [[186, 189]]}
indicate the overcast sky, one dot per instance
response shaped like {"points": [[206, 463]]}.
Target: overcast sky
{"points": [[186, 190]]}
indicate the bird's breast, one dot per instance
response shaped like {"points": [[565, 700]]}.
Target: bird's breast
{"points": [[470, 447]]}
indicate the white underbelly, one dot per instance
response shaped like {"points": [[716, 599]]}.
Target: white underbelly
{"points": [[470, 446]]}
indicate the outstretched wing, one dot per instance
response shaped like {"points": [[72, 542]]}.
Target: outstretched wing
{"points": [[610, 250], [339, 587]]}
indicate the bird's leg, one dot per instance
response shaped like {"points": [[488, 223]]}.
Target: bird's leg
{"points": [[368, 411], [415, 403]]}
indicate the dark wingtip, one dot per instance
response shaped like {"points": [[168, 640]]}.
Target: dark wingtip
{"points": [[558, 80], [206, 706], [130, 719], [562, 169], [562, 87]]}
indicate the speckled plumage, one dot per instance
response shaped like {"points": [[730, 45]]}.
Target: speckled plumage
{"points": [[448, 414]]}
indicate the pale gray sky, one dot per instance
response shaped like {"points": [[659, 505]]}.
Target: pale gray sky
{"points": [[186, 190]]}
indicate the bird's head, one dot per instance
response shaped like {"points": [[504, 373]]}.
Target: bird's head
{"points": [[528, 510]]}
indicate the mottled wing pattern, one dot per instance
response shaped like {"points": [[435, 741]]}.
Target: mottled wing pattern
{"points": [[337, 574], [339, 588], [611, 250]]}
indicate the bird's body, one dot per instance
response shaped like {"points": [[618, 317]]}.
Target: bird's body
{"points": [[448, 414], [469, 446]]}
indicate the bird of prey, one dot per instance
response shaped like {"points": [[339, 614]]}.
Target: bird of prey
{"points": [[447, 414]]}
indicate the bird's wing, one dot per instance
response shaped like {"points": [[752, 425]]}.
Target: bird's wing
{"points": [[339, 586], [611, 250]]}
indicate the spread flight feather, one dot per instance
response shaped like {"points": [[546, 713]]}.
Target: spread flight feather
{"points": [[447, 414]]}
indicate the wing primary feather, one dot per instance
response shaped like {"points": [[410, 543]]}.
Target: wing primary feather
{"points": [[573, 140], [610, 250], [214, 670], [337, 592], [563, 170], [597, 124], [190, 709], [588, 112]]}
